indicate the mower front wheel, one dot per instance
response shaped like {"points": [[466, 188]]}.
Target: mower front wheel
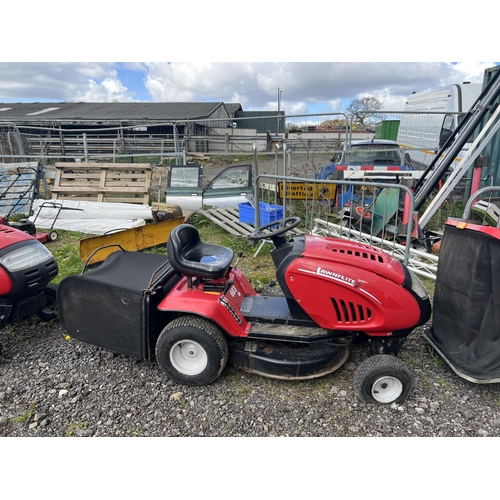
{"points": [[192, 351], [49, 312], [382, 379]]}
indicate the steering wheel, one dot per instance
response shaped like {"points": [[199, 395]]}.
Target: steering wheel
{"points": [[283, 227]]}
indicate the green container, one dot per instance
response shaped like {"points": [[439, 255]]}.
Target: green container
{"points": [[387, 129]]}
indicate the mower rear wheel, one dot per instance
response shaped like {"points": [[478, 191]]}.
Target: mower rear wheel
{"points": [[192, 351], [52, 236], [49, 312], [382, 379]]}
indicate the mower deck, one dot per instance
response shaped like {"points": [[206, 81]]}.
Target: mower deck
{"points": [[287, 361], [286, 345]]}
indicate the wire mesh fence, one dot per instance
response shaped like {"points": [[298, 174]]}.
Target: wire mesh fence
{"points": [[288, 145], [378, 214]]}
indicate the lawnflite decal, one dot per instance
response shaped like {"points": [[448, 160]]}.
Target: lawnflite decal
{"points": [[331, 275], [228, 306], [341, 279]]}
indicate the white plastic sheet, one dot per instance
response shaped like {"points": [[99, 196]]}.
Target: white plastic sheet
{"points": [[89, 217]]}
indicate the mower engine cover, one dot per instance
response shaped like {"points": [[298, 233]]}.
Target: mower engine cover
{"points": [[349, 286], [26, 268]]}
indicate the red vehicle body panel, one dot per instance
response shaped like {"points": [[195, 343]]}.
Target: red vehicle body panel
{"points": [[223, 309], [9, 236], [340, 285], [489, 230]]}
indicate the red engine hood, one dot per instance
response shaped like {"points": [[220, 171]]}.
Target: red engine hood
{"points": [[337, 251], [10, 235], [345, 285]]}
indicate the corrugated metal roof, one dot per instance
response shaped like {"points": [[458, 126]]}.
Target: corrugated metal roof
{"points": [[103, 111], [233, 108]]}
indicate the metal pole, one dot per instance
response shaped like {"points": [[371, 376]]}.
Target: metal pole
{"points": [[255, 161], [279, 102], [85, 148], [473, 199]]}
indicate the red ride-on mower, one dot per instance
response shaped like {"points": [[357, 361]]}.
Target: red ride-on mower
{"points": [[26, 269], [195, 312]]}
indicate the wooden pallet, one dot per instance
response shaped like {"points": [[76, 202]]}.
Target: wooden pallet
{"points": [[103, 182], [229, 219]]}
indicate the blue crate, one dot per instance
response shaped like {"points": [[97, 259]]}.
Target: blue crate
{"points": [[268, 213]]}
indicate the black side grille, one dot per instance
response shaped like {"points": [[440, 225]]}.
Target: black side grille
{"points": [[348, 312], [357, 253], [52, 269], [33, 277], [36, 276]]}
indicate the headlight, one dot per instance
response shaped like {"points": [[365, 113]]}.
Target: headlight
{"points": [[417, 287], [28, 256]]}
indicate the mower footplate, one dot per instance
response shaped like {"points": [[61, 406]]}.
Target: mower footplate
{"points": [[287, 361], [293, 333], [274, 309]]}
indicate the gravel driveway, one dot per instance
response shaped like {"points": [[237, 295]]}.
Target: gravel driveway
{"points": [[50, 386]]}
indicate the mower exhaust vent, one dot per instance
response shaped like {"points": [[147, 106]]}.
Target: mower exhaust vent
{"points": [[348, 312], [358, 253]]}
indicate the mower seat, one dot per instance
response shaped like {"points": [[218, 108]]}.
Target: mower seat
{"points": [[190, 256]]}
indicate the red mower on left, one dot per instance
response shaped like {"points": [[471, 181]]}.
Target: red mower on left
{"points": [[26, 270]]}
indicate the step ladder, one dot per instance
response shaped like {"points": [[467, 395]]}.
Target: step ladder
{"points": [[437, 170]]}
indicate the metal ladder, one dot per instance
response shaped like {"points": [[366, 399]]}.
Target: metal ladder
{"points": [[484, 105]]}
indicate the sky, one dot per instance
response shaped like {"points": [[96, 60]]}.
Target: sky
{"points": [[303, 87], [62, 55]]}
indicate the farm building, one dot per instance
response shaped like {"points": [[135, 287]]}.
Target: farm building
{"points": [[48, 129]]}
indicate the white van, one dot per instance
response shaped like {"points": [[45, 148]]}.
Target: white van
{"points": [[423, 134]]}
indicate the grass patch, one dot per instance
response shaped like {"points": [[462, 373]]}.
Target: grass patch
{"points": [[10, 333], [436, 358], [68, 260], [73, 427], [26, 416]]}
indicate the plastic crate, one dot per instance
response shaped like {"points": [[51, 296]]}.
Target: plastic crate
{"points": [[268, 213]]}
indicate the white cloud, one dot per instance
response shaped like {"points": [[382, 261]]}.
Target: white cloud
{"points": [[110, 89], [335, 105], [302, 84], [470, 72], [305, 87], [291, 108], [61, 82]]}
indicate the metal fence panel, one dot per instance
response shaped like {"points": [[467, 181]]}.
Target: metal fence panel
{"points": [[19, 186]]}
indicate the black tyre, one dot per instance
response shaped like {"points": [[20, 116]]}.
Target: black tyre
{"points": [[49, 312], [192, 351], [52, 236], [383, 379]]}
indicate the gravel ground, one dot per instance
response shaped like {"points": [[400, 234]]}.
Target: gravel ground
{"points": [[50, 386]]}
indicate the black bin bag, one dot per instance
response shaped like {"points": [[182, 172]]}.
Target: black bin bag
{"points": [[466, 313]]}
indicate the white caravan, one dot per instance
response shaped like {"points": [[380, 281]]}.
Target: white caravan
{"points": [[421, 135]]}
